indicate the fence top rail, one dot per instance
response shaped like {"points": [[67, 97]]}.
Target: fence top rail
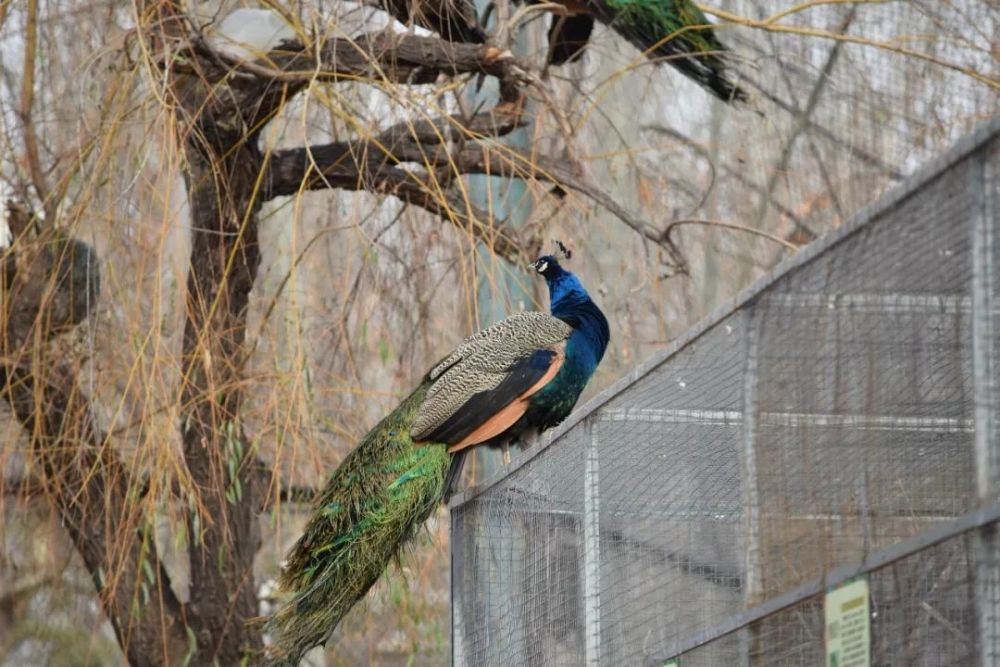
{"points": [[963, 148]]}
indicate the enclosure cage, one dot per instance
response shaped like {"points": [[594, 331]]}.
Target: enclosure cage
{"points": [[840, 418]]}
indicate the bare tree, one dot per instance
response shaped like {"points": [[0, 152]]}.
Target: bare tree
{"points": [[220, 120], [221, 105]]}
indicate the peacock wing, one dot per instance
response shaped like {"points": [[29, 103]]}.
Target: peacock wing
{"points": [[481, 388]]}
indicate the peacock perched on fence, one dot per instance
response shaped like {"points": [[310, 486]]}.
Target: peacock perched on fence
{"points": [[674, 30], [521, 375]]}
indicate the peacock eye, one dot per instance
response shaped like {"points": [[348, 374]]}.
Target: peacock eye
{"points": [[542, 266]]}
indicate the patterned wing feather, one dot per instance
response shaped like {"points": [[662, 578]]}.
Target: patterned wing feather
{"points": [[485, 406], [488, 371]]}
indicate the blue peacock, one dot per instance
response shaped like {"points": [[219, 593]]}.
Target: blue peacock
{"points": [[521, 375]]}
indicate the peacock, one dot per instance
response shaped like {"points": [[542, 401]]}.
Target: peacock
{"points": [[674, 30], [517, 377]]}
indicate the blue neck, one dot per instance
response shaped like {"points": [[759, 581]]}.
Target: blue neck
{"points": [[571, 303]]}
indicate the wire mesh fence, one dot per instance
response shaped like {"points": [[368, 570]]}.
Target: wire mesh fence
{"points": [[839, 419]]}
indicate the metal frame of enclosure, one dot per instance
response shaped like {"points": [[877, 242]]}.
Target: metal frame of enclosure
{"points": [[839, 418]]}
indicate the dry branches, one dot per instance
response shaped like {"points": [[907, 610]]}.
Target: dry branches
{"points": [[255, 90], [49, 285]]}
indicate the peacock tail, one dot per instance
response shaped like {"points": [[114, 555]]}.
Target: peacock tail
{"points": [[678, 31], [674, 31], [376, 500]]}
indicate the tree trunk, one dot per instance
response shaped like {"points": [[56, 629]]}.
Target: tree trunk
{"points": [[223, 528]]}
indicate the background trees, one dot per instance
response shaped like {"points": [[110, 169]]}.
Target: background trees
{"points": [[247, 331]]}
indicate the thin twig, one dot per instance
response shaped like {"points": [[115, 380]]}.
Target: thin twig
{"points": [[802, 121], [769, 25], [27, 103], [730, 225]]}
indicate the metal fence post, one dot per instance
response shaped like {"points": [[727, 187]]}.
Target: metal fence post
{"points": [[752, 590], [455, 581], [592, 550], [987, 543]]}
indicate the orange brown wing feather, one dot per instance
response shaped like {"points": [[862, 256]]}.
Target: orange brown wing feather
{"points": [[509, 415]]}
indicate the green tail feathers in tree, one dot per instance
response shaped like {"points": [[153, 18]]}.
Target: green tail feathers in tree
{"points": [[680, 33], [676, 32], [375, 501]]}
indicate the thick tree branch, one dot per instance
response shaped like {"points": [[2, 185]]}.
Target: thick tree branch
{"points": [[344, 164], [385, 56], [223, 266], [373, 165], [256, 90], [338, 166]]}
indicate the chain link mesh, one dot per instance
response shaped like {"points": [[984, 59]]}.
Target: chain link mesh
{"points": [[828, 416]]}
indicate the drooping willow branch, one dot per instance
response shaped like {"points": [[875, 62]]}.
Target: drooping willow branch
{"points": [[49, 286], [772, 24]]}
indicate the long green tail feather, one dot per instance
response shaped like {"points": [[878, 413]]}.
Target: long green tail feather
{"points": [[679, 32], [375, 501]]}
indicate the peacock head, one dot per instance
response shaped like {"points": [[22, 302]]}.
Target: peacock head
{"points": [[548, 266], [564, 287]]}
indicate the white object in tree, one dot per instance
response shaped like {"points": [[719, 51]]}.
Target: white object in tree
{"points": [[6, 237], [246, 33]]}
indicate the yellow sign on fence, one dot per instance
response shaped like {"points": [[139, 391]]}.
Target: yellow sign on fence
{"points": [[848, 625]]}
